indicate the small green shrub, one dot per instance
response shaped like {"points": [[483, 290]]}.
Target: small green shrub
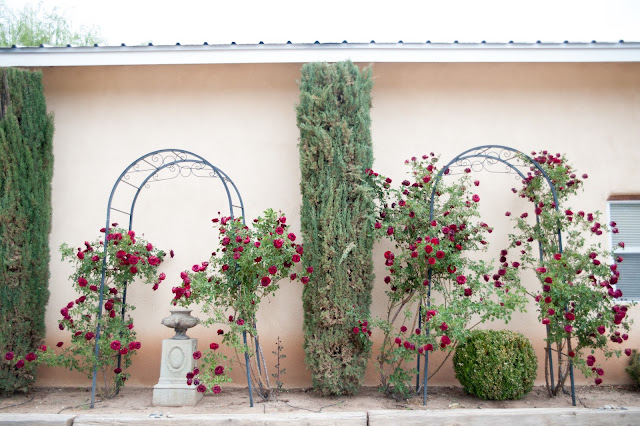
{"points": [[634, 366], [496, 365]]}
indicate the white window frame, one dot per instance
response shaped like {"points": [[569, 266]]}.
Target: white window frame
{"points": [[619, 250]]}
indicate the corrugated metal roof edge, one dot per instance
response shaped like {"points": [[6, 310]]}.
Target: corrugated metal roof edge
{"points": [[620, 51]]}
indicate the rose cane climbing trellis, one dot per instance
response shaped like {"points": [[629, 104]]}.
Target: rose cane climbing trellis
{"points": [[485, 158], [153, 167]]}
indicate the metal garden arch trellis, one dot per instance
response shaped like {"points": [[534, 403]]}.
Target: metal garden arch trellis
{"points": [[486, 157], [156, 166]]}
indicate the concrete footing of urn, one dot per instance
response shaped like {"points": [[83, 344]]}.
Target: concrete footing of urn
{"points": [[177, 360]]}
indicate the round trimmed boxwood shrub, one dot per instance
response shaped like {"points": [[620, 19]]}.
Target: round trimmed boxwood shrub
{"points": [[634, 366], [496, 364]]}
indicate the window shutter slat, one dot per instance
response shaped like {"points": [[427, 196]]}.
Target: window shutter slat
{"points": [[629, 281], [627, 218]]}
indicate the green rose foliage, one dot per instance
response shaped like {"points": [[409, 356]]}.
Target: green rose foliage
{"points": [[465, 291], [496, 365], [129, 259], [228, 288], [578, 300]]}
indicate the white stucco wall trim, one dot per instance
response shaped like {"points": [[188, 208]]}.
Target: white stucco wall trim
{"points": [[329, 52]]}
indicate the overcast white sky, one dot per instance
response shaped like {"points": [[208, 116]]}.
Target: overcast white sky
{"points": [[277, 21]]}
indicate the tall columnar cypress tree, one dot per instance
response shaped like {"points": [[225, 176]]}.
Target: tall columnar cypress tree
{"points": [[337, 205], [26, 168]]}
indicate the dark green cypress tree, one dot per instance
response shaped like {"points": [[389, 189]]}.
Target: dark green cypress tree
{"points": [[337, 207], [26, 168]]}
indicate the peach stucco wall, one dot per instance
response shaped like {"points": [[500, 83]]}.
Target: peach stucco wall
{"points": [[242, 119]]}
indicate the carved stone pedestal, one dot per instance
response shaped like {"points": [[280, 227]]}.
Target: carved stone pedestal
{"points": [[177, 360]]}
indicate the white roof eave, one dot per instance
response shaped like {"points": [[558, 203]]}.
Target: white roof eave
{"points": [[317, 52]]}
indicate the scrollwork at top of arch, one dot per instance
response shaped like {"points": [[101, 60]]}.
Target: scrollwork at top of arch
{"points": [[167, 165], [493, 159]]}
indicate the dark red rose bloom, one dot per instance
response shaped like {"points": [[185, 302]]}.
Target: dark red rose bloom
{"points": [[398, 341], [403, 329], [220, 332], [304, 280], [240, 322], [80, 255], [356, 330], [216, 389], [390, 230], [475, 198], [445, 341], [310, 269], [265, 281], [568, 328], [468, 292], [197, 355], [293, 276], [439, 254], [133, 269], [115, 345], [219, 370], [59, 344], [277, 243], [89, 335], [273, 270], [461, 279], [214, 346], [202, 388], [8, 356], [20, 364], [124, 351], [30, 357]]}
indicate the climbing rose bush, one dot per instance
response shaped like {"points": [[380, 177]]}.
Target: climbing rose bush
{"points": [[577, 299], [248, 266], [464, 291], [129, 259]]}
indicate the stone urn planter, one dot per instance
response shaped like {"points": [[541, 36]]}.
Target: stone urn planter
{"points": [[180, 320]]}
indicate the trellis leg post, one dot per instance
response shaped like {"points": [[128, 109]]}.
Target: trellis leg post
{"points": [[418, 362], [246, 360]]}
